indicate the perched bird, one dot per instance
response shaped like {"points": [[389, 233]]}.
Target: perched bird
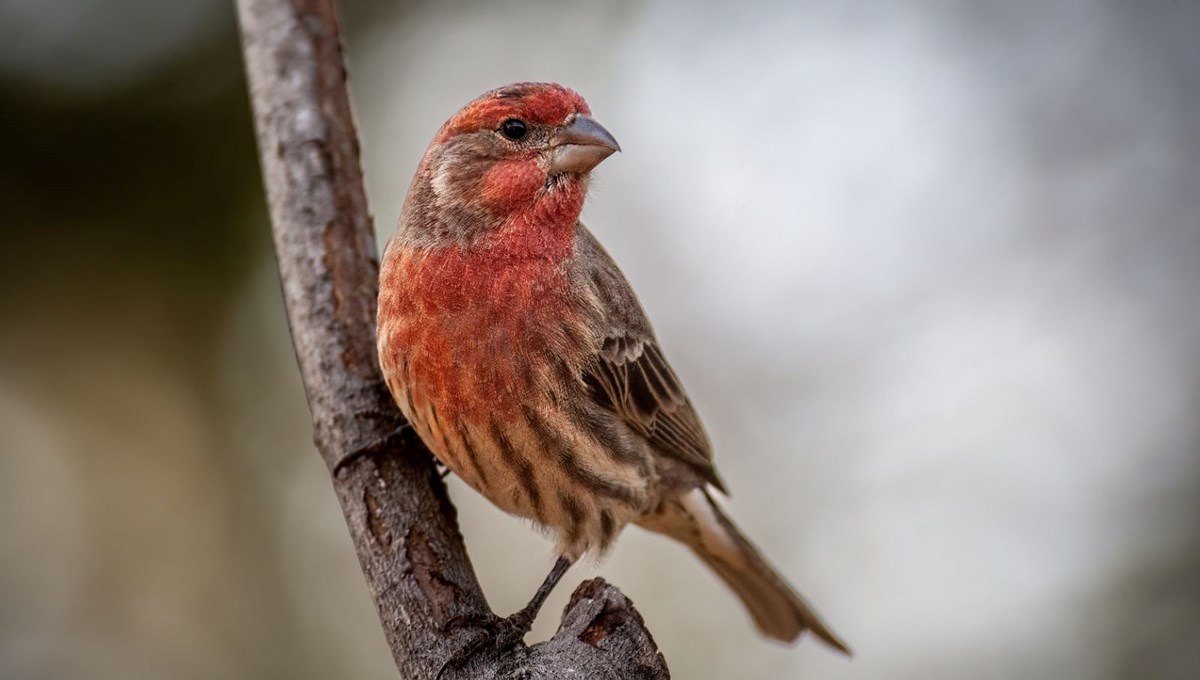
{"points": [[521, 356]]}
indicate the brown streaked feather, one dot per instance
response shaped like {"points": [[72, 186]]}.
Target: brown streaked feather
{"points": [[526, 478], [629, 375], [559, 448]]}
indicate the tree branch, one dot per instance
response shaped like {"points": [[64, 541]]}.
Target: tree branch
{"points": [[403, 525]]}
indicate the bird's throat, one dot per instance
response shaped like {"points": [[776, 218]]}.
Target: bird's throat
{"points": [[543, 229]]}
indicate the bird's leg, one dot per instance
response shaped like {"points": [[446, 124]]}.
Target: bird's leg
{"points": [[503, 633], [523, 618]]}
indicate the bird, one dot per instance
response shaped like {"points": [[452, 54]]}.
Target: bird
{"points": [[520, 354]]}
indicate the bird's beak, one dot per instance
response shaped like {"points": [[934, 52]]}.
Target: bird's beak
{"points": [[580, 145]]}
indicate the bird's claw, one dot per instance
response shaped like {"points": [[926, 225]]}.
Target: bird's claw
{"points": [[472, 620], [497, 634]]}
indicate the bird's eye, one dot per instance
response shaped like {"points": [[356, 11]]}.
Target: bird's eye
{"points": [[513, 128]]}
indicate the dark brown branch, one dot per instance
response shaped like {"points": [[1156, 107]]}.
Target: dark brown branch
{"points": [[403, 525]]}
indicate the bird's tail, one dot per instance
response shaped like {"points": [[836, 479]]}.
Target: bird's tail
{"points": [[778, 610]]}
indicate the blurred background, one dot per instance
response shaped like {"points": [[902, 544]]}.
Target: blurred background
{"points": [[929, 271]]}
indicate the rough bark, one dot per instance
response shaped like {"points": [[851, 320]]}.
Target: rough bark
{"points": [[402, 522]]}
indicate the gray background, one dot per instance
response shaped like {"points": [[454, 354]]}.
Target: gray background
{"points": [[928, 270]]}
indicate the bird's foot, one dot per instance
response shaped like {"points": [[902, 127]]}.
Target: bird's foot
{"points": [[495, 634]]}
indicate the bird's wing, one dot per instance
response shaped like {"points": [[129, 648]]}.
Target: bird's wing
{"points": [[629, 376]]}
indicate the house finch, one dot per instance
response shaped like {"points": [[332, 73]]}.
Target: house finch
{"points": [[519, 352]]}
